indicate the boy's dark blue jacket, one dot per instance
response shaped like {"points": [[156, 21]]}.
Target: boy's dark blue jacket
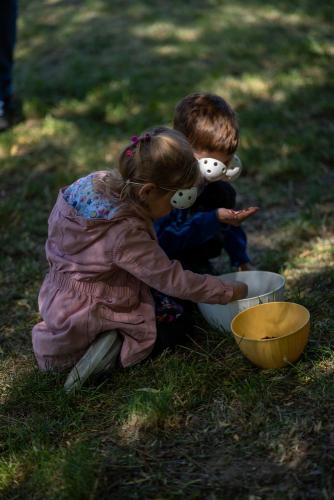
{"points": [[181, 231]]}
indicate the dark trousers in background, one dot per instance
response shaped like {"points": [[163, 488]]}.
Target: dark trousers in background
{"points": [[8, 15], [170, 335]]}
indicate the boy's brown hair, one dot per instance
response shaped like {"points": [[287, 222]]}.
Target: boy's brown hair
{"points": [[208, 122]]}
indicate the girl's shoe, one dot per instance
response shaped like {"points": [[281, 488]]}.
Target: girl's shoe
{"points": [[101, 356]]}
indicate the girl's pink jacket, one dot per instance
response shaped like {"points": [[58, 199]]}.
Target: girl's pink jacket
{"points": [[99, 279]]}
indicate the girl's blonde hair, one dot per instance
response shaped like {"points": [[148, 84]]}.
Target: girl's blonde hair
{"points": [[161, 155]]}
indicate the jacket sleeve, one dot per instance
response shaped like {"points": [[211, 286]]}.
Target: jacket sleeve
{"points": [[177, 235], [140, 255]]}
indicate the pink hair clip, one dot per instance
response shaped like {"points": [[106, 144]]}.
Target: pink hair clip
{"points": [[143, 138], [129, 153]]}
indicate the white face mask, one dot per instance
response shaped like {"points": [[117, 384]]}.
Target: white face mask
{"points": [[182, 198], [215, 170]]}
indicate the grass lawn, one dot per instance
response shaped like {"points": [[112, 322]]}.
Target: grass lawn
{"points": [[203, 422]]}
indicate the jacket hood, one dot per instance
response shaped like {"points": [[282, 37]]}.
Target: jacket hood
{"points": [[77, 233]]}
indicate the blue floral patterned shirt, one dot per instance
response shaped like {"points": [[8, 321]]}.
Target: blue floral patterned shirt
{"points": [[90, 204]]}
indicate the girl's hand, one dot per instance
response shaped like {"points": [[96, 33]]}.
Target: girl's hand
{"points": [[240, 290], [235, 217]]}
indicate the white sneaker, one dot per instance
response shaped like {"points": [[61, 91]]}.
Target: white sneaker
{"points": [[101, 356]]}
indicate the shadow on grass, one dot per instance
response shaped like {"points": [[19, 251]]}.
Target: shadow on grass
{"points": [[301, 7], [44, 438], [128, 67], [250, 446], [260, 433]]}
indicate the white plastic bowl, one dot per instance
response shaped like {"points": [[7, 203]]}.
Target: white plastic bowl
{"points": [[263, 286]]}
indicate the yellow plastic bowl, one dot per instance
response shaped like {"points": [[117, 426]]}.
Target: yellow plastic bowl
{"points": [[272, 335]]}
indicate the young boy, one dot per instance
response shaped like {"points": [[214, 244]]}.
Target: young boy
{"points": [[195, 235]]}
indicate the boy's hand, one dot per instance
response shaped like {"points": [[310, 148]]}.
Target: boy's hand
{"points": [[240, 290], [235, 217]]}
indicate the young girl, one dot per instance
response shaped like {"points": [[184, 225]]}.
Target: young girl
{"points": [[105, 260]]}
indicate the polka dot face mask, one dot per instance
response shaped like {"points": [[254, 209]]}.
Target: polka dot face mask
{"points": [[214, 170], [182, 198]]}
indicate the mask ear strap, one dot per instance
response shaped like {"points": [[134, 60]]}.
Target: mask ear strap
{"points": [[124, 188], [234, 169]]}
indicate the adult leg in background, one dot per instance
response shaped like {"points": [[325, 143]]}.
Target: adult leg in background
{"points": [[8, 16]]}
